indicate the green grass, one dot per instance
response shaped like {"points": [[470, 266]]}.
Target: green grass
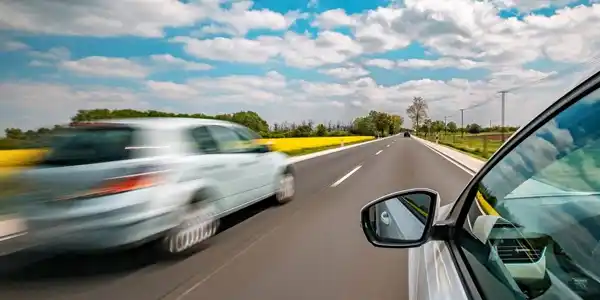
{"points": [[472, 145]]}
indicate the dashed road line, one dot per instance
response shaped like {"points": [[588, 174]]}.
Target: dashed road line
{"points": [[346, 176], [378, 152]]}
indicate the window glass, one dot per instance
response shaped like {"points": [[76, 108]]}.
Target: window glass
{"points": [[204, 141], [79, 146], [535, 226], [247, 133], [230, 141]]}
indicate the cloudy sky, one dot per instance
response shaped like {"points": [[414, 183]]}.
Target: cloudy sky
{"points": [[292, 59]]}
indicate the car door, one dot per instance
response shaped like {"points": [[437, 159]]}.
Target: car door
{"points": [[266, 168], [242, 155], [213, 167], [527, 226]]}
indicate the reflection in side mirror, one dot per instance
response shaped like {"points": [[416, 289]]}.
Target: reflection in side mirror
{"points": [[400, 220]]}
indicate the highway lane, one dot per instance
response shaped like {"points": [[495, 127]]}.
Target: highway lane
{"points": [[311, 248]]}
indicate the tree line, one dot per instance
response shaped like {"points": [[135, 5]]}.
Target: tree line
{"points": [[373, 124], [418, 113]]}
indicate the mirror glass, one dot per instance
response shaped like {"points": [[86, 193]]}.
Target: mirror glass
{"points": [[402, 218]]}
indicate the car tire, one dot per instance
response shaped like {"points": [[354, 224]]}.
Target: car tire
{"points": [[286, 187], [190, 235]]}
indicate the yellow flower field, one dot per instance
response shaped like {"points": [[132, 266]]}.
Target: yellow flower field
{"points": [[9, 158], [292, 144], [13, 158]]}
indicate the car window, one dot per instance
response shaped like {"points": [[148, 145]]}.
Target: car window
{"points": [[229, 141], [535, 225], [204, 141], [79, 146], [247, 133]]}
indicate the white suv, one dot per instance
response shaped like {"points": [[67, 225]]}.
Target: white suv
{"points": [[115, 183]]}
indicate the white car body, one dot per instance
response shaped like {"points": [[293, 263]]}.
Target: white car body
{"points": [[64, 210]]}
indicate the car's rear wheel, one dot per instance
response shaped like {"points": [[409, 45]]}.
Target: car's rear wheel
{"points": [[193, 231], [286, 187]]}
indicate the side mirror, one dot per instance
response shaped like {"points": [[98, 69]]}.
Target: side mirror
{"points": [[400, 220], [263, 148]]}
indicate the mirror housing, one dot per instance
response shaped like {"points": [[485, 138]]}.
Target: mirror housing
{"points": [[263, 148], [402, 219]]}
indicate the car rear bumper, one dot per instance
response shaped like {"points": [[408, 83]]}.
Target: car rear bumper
{"points": [[97, 224], [71, 239]]}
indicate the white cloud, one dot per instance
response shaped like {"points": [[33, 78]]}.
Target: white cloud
{"points": [[134, 17], [346, 72], [381, 63], [334, 18], [528, 5], [102, 18], [169, 60], [32, 104], [461, 63], [241, 18], [232, 49], [11, 45], [296, 50], [106, 67]]}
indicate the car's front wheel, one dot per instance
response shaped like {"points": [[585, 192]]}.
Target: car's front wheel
{"points": [[286, 187]]}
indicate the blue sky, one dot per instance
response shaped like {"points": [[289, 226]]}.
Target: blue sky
{"points": [[324, 60]]}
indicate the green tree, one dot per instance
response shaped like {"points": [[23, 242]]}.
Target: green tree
{"points": [[437, 126], [473, 128], [417, 111], [14, 133], [396, 126], [451, 126], [321, 130]]}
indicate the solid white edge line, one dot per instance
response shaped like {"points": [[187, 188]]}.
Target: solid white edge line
{"points": [[346, 176], [468, 171], [297, 159], [378, 152]]}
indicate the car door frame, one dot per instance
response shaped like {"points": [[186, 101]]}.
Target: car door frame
{"points": [[449, 228]]}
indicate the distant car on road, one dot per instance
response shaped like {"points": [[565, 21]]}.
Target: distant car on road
{"points": [[108, 184], [527, 226], [406, 134]]}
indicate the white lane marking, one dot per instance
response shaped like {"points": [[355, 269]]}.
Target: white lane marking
{"points": [[297, 159], [388, 145], [468, 171], [345, 176], [11, 236], [378, 152]]}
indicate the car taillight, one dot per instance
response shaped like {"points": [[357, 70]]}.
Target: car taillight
{"points": [[122, 184], [126, 184]]}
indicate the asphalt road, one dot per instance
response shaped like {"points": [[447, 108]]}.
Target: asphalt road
{"points": [[311, 248]]}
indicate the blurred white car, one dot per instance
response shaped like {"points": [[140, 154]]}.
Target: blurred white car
{"points": [[115, 183]]}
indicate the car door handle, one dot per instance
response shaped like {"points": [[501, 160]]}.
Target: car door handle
{"points": [[385, 218]]}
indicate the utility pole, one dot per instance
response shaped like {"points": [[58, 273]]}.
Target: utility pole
{"points": [[503, 93], [462, 124]]}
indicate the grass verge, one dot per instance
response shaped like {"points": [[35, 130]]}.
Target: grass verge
{"points": [[474, 147]]}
